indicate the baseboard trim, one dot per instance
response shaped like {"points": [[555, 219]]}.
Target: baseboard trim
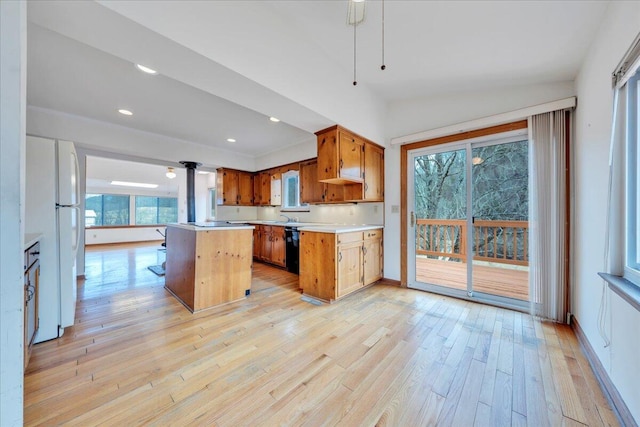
{"points": [[610, 390], [392, 282]]}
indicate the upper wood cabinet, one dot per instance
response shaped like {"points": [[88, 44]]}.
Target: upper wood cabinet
{"points": [[340, 156], [311, 190], [234, 187], [373, 172], [262, 189]]}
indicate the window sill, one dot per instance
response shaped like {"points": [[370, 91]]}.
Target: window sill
{"points": [[97, 227], [623, 287]]}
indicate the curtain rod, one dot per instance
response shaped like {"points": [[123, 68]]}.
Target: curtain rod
{"points": [[627, 65]]}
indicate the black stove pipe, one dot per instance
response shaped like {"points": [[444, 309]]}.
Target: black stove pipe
{"points": [[191, 194]]}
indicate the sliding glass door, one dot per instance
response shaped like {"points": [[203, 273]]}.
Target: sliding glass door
{"points": [[468, 231]]}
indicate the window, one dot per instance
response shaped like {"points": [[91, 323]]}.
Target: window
{"points": [[632, 263], [291, 190], [156, 210], [106, 209]]}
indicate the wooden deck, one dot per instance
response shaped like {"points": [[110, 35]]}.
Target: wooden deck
{"points": [[384, 356], [506, 282]]}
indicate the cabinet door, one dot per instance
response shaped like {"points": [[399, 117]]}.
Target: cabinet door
{"points": [[245, 189], [278, 246], [373, 172], [265, 252], [257, 194], [351, 156], [372, 253], [311, 190], [328, 156], [257, 241], [349, 268], [227, 187], [265, 183]]}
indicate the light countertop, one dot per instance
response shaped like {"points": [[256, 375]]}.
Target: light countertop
{"points": [[212, 226], [339, 228]]}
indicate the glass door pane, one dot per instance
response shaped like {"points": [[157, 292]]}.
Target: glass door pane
{"points": [[438, 254], [500, 231]]}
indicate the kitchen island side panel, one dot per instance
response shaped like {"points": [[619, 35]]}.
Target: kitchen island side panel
{"points": [[318, 265], [180, 268], [223, 266]]}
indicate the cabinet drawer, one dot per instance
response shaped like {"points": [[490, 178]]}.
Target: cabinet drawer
{"points": [[373, 234], [349, 237]]}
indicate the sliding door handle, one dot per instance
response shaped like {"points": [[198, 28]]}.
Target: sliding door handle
{"points": [[413, 219]]}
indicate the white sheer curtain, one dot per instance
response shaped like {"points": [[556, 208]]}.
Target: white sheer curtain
{"points": [[547, 215]]}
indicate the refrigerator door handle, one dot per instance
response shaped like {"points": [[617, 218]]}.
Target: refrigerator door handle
{"points": [[75, 247], [75, 206]]}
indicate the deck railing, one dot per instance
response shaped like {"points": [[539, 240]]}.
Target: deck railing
{"points": [[503, 242]]}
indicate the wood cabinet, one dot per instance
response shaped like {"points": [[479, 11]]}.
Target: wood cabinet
{"points": [[349, 267], [262, 189], [373, 172], [269, 244], [340, 156], [313, 191], [234, 187], [372, 256], [335, 265]]}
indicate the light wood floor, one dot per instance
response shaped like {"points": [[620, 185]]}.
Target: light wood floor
{"points": [[385, 356], [506, 282]]}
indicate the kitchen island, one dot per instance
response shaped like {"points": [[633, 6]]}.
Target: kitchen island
{"points": [[337, 260], [208, 264]]}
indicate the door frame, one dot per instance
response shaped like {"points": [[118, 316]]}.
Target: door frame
{"points": [[467, 146], [404, 209]]}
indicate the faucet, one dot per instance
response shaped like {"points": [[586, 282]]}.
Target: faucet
{"points": [[288, 219]]}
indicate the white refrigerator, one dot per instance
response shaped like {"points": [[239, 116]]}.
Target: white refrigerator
{"points": [[52, 208]]}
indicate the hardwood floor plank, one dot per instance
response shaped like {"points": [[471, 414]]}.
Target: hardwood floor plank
{"points": [[385, 356]]}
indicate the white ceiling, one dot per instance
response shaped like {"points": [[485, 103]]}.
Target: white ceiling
{"points": [[226, 66]]}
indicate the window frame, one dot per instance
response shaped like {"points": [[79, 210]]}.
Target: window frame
{"points": [[128, 222], [297, 207], [157, 207], [632, 181]]}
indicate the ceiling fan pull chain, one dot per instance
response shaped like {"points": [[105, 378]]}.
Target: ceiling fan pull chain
{"points": [[355, 24], [383, 67]]}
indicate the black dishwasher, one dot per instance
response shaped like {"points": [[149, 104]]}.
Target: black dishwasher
{"points": [[292, 237]]}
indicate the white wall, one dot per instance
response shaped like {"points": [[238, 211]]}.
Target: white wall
{"points": [[97, 135], [13, 42], [593, 127], [417, 115]]}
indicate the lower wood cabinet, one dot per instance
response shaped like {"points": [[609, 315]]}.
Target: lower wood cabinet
{"points": [[335, 265], [269, 244]]}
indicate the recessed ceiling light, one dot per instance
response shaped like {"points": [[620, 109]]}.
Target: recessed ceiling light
{"points": [[231, 140], [273, 119], [134, 184], [146, 69], [125, 112]]}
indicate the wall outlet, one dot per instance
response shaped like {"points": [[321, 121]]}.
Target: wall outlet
{"points": [[237, 210], [395, 209], [375, 208]]}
